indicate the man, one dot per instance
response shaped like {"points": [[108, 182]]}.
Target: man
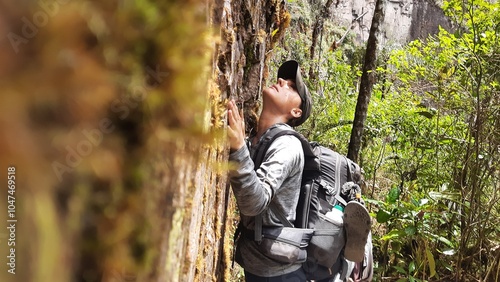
{"points": [[286, 103]]}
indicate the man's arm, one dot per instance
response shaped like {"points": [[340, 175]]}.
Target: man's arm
{"points": [[255, 189]]}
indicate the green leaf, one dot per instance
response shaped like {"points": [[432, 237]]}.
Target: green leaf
{"points": [[400, 269], [446, 265], [393, 234], [374, 202], [414, 202], [393, 195], [411, 267], [451, 196], [410, 230], [432, 263], [383, 216], [446, 241]]}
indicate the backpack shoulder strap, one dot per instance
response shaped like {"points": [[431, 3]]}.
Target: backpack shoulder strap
{"points": [[311, 162], [266, 142], [350, 177], [349, 172], [260, 153]]}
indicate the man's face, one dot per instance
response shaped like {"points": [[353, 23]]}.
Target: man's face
{"points": [[286, 90], [282, 96]]}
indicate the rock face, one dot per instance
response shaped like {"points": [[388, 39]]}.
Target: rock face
{"points": [[248, 31], [405, 20], [199, 215]]}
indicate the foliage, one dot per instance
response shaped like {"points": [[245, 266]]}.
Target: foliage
{"points": [[335, 101], [430, 148], [431, 127]]}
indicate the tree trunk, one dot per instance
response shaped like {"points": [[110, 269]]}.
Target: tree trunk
{"points": [[366, 84], [324, 14]]}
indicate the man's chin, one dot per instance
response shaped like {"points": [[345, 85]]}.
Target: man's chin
{"points": [[271, 91]]}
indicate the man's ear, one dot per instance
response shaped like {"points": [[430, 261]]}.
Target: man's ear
{"points": [[296, 112]]}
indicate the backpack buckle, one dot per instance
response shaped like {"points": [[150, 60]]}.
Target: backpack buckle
{"points": [[330, 190]]}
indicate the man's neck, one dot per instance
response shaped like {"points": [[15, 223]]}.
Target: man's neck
{"points": [[265, 122]]}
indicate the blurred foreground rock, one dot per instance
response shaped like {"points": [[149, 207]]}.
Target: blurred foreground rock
{"points": [[112, 115]]}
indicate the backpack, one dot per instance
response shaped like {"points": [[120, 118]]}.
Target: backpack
{"points": [[325, 173]]}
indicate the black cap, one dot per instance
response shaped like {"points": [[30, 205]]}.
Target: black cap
{"points": [[291, 70]]}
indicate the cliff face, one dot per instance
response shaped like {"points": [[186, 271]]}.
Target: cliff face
{"points": [[248, 31], [405, 20]]}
